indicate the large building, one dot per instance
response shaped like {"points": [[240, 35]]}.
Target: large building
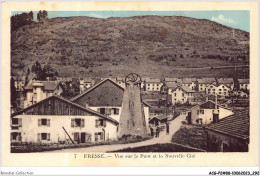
{"points": [[106, 97], [189, 82], [203, 113], [228, 82], [244, 84], [202, 83], [57, 120], [231, 134], [38, 90], [182, 95], [151, 84], [220, 90]]}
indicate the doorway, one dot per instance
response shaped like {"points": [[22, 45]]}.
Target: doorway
{"points": [[83, 138]]}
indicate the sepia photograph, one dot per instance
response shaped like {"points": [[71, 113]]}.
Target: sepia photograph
{"points": [[100, 83]]}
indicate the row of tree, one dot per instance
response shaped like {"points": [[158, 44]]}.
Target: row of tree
{"points": [[23, 19]]}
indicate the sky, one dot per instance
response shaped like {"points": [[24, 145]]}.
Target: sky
{"points": [[239, 19]]}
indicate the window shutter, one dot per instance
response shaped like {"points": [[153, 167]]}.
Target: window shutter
{"points": [[48, 136], [98, 110], [109, 111], [11, 137], [20, 122], [96, 136], [39, 122], [96, 123], [102, 136], [117, 111], [72, 123], [82, 124], [104, 123], [39, 136], [198, 112], [48, 123]]}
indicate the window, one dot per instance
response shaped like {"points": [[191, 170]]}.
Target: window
{"points": [[44, 136], [220, 89], [213, 89], [99, 136], [225, 89], [182, 94], [77, 122], [102, 110], [209, 90], [44, 122], [200, 112], [115, 111], [222, 86], [100, 123], [211, 86], [175, 94], [15, 121]]}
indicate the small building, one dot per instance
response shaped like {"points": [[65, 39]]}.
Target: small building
{"points": [[202, 83], [244, 84], [203, 113], [85, 84], [168, 87], [19, 83], [228, 82], [220, 90], [57, 120], [38, 90], [231, 134], [152, 84], [120, 81], [189, 82], [158, 120], [182, 95]]}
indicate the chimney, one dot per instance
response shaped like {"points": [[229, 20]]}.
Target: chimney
{"points": [[215, 111]]}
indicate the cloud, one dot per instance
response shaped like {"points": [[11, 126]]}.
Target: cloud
{"points": [[223, 19]]}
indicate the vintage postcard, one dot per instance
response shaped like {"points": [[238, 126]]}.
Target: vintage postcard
{"points": [[129, 84]]}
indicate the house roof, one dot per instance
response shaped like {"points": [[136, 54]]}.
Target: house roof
{"points": [[225, 80], [185, 88], [236, 125], [90, 111], [152, 80], [170, 79], [209, 102], [206, 80], [48, 85], [171, 84], [187, 80], [243, 81], [159, 117], [93, 87]]}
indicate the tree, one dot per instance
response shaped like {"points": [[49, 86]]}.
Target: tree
{"points": [[13, 93], [31, 15], [27, 76], [44, 14], [39, 15]]}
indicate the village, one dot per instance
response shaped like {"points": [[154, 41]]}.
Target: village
{"points": [[130, 114]]}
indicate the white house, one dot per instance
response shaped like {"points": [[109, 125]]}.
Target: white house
{"points": [[57, 120], [244, 84], [203, 113], [202, 83], [152, 84], [229, 82], [106, 97], [189, 82], [221, 90], [38, 90], [181, 95], [85, 84]]}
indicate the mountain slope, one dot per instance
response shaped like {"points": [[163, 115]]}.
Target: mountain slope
{"points": [[148, 45]]}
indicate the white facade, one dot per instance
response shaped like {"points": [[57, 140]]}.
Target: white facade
{"points": [[179, 96], [38, 93], [49, 129], [220, 90]]}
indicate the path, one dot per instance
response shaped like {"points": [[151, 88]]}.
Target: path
{"points": [[174, 127]]}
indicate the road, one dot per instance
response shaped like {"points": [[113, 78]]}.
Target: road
{"points": [[174, 126]]}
